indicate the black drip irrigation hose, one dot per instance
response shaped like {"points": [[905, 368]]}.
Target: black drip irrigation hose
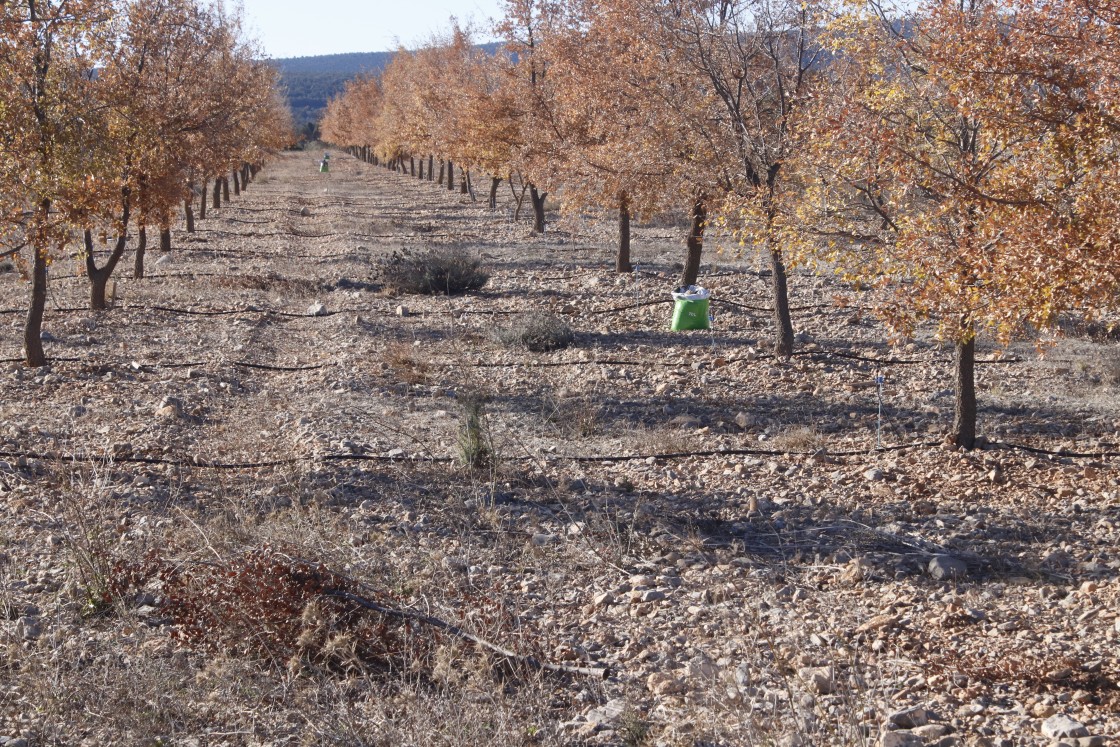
{"points": [[208, 464], [186, 364], [199, 463], [759, 357]]}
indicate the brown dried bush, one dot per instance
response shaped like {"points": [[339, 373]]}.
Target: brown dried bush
{"points": [[446, 270]]}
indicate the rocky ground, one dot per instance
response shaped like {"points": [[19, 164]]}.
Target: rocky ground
{"points": [[710, 534]]}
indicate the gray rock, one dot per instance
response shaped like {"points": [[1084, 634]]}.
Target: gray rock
{"points": [[540, 540], [900, 739], [605, 599], [873, 475], [932, 731], [653, 595], [1060, 726], [818, 680], [316, 309], [305, 212], [945, 742], [911, 718], [943, 567], [607, 713], [46, 336], [28, 628]]}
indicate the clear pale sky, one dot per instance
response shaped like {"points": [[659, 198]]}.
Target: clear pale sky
{"points": [[286, 28]]}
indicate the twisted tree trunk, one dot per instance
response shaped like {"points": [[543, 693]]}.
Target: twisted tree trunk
{"points": [[695, 242], [495, 182], [537, 199], [99, 276]]}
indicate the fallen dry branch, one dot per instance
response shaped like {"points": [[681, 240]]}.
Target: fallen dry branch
{"points": [[529, 661]]}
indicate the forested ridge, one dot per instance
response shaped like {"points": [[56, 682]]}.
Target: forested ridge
{"points": [[310, 82]]}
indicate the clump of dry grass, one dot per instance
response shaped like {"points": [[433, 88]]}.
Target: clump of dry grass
{"points": [[407, 364], [576, 416], [800, 438]]}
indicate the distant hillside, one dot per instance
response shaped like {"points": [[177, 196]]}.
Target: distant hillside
{"points": [[311, 81]]}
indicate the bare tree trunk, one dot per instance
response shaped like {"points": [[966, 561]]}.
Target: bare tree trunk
{"points": [[537, 199], [33, 326], [225, 188], [431, 165], [783, 325], [450, 176], [217, 193], [99, 276], [420, 170], [495, 182], [141, 248], [165, 238], [188, 210], [622, 262], [464, 181], [695, 242], [518, 198], [964, 385], [236, 184], [442, 169], [202, 203], [411, 166]]}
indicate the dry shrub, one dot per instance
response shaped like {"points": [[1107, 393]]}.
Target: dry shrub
{"points": [[538, 332], [437, 271], [7, 266], [264, 605]]}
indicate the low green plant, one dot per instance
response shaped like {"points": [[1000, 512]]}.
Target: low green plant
{"points": [[475, 447]]}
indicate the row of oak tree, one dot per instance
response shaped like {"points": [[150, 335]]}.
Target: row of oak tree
{"points": [[113, 114], [962, 154]]}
